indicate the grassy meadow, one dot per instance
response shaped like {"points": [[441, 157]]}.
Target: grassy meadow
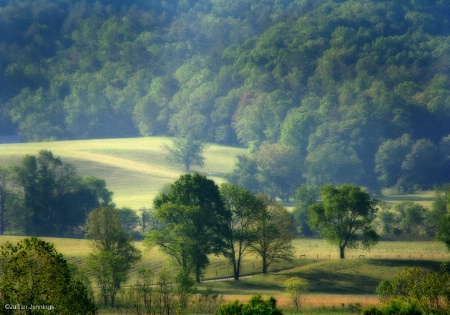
{"points": [[134, 169], [334, 286]]}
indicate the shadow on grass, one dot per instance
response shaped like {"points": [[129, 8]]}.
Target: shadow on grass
{"points": [[405, 263], [320, 281]]}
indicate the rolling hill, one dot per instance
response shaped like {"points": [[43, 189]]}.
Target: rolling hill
{"points": [[135, 169]]}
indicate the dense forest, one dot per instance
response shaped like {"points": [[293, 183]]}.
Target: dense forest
{"points": [[357, 90]]}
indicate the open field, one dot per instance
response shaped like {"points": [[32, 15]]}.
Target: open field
{"points": [[134, 169], [331, 283]]}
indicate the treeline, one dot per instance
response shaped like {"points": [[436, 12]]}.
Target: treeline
{"points": [[339, 81], [43, 196]]}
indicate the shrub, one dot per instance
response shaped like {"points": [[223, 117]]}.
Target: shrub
{"points": [[394, 307], [256, 305]]}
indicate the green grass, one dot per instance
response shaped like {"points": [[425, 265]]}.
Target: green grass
{"points": [[333, 285], [134, 169]]}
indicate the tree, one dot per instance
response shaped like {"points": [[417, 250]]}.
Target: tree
{"points": [[427, 289], [389, 159], [274, 233], [245, 174], [56, 200], [187, 148], [280, 170], [244, 208], [411, 217], [344, 217], [305, 196], [34, 273], [186, 151], [114, 254], [195, 222], [295, 287]]}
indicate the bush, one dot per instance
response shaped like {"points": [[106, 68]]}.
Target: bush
{"points": [[394, 307], [256, 305]]}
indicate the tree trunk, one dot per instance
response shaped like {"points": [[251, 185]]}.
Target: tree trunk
{"points": [[342, 252], [264, 265], [236, 267]]}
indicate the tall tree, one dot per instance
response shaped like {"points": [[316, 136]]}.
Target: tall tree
{"points": [[344, 217], [195, 222], [114, 253], [274, 233], [245, 208]]}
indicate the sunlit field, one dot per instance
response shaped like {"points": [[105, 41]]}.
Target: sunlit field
{"points": [[134, 169]]}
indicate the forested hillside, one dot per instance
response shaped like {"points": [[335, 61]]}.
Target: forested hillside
{"points": [[360, 89]]}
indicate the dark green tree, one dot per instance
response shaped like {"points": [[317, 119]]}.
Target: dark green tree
{"points": [[195, 222], [344, 217], [34, 273], [245, 208], [56, 200], [305, 196], [114, 254]]}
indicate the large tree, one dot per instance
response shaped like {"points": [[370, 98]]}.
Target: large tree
{"points": [[344, 217], [195, 222], [274, 232], [245, 208], [34, 273], [114, 253], [56, 200]]}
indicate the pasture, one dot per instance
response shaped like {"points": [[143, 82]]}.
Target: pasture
{"points": [[333, 286], [134, 169]]}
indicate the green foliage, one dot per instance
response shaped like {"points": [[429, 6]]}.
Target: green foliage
{"points": [[295, 287], [337, 80], [344, 217], [274, 232], [34, 273], [114, 253], [394, 307], [186, 151], [305, 197], [245, 208], [56, 201], [195, 222], [256, 305], [425, 291]]}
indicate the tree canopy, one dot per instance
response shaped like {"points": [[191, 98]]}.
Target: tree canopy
{"points": [[344, 217], [32, 272], [195, 222], [339, 81]]}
